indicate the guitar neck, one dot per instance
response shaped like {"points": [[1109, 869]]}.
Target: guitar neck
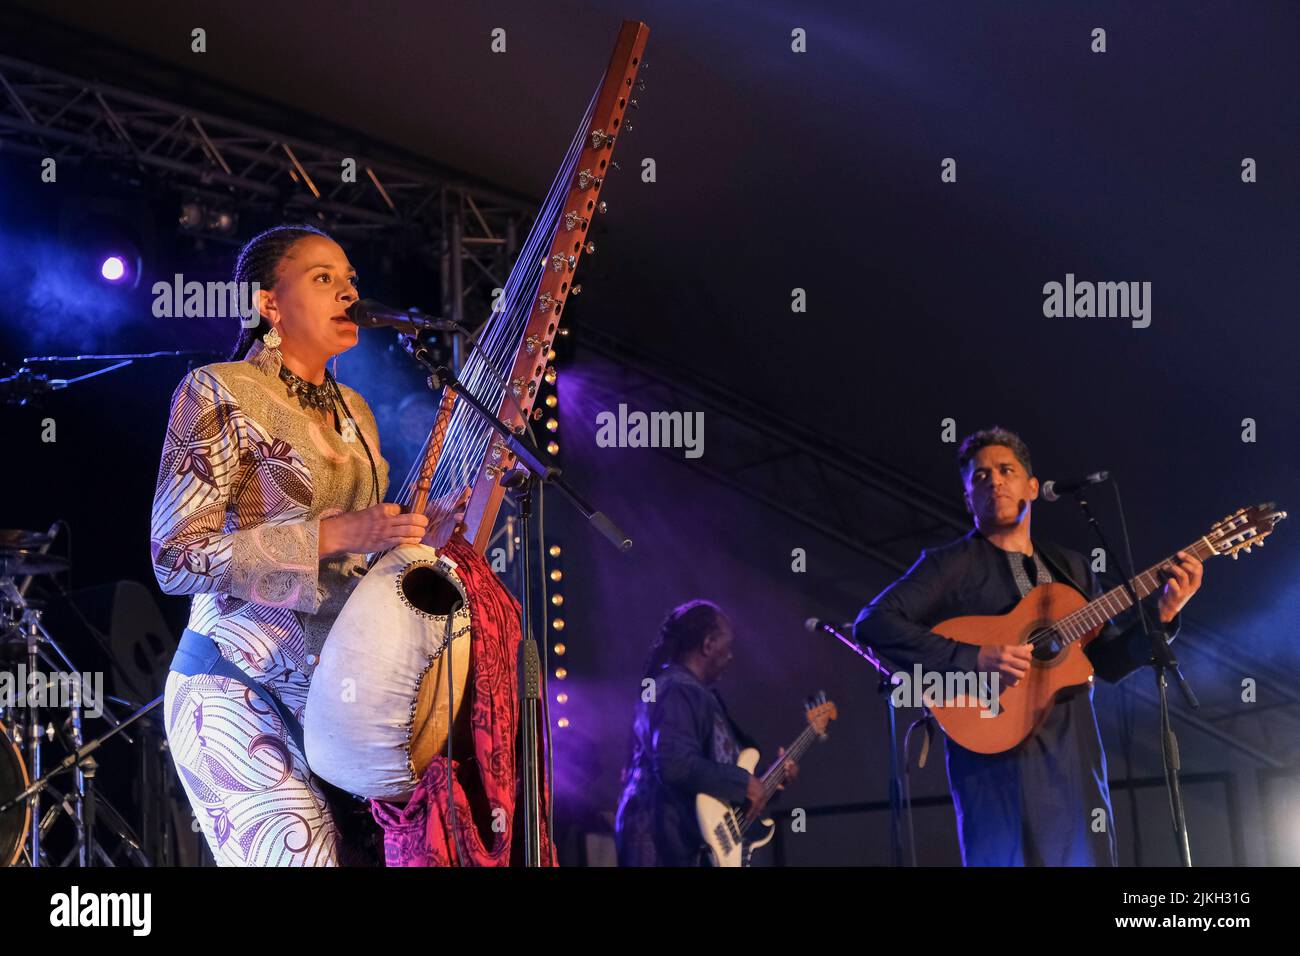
{"points": [[776, 774], [1097, 612]]}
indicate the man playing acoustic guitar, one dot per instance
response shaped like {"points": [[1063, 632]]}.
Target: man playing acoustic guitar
{"points": [[1045, 801]]}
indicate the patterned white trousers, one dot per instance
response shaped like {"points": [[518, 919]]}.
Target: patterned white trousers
{"points": [[248, 783]]}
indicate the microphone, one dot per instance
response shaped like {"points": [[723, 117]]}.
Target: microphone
{"points": [[1052, 490], [816, 624], [371, 314]]}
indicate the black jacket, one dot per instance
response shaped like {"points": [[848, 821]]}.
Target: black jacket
{"points": [[1042, 801], [676, 753]]}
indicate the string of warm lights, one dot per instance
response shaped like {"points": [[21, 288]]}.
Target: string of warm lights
{"points": [[555, 576], [554, 570]]}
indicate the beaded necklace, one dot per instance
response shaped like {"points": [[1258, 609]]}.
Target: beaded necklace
{"points": [[319, 397]]}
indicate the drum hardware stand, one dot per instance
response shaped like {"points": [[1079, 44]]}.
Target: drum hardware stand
{"points": [[31, 630], [535, 468], [83, 812], [84, 764], [155, 780]]}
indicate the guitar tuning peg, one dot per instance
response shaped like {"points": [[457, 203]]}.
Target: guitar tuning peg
{"points": [[1236, 555]]}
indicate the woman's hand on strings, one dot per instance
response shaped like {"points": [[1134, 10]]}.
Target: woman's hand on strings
{"points": [[446, 518], [376, 528]]}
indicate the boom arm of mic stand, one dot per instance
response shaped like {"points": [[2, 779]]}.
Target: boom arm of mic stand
{"points": [[900, 801], [530, 459]]}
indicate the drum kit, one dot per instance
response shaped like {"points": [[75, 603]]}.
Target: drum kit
{"points": [[43, 701]]}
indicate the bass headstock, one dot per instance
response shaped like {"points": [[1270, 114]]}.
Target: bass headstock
{"points": [[1244, 529], [820, 712]]}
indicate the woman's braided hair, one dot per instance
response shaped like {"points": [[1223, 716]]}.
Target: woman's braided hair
{"points": [[259, 261], [684, 629]]}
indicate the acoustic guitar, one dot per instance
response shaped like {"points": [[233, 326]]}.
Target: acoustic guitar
{"points": [[1059, 623]]}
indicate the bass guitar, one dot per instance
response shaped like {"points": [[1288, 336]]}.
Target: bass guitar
{"points": [[724, 827]]}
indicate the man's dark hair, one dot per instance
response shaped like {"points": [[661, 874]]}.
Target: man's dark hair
{"points": [[973, 442], [684, 629]]}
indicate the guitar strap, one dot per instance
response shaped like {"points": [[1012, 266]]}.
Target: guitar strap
{"points": [[197, 654], [743, 739], [1060, 566]]}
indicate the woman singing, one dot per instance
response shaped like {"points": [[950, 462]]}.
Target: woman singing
{"points": [[268, 497]]}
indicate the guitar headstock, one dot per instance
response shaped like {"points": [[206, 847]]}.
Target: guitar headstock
{"points": [[1244, 529], [820, 712]]}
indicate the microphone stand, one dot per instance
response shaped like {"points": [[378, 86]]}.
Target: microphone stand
{"points": [[1164, 663], [897, 800], [535, 468]]}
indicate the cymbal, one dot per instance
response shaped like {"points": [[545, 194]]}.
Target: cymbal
{"points": [[11, 539], [20, 562]]}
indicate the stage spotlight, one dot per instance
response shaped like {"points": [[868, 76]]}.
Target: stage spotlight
{"points": [[113, 269], [222, 221], [108, 241], [119, 268], [192, 215], [196, 216]]}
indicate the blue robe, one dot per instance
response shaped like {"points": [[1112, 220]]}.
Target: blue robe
{"points": [[1045, 802]]}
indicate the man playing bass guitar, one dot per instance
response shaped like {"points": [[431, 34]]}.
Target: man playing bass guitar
{"points": [[1046, 801], [683, 743]]}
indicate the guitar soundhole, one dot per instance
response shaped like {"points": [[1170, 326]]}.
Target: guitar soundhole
{"points": [[1047, 645], [429, 591]]}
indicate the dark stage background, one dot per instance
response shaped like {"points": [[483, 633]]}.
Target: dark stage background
{"points": [[778, 171]]}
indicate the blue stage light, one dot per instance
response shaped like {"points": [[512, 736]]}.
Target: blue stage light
{"points": [[113, 269]]}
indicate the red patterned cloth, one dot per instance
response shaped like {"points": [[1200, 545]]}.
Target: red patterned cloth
{"points": [[417, 833]]}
